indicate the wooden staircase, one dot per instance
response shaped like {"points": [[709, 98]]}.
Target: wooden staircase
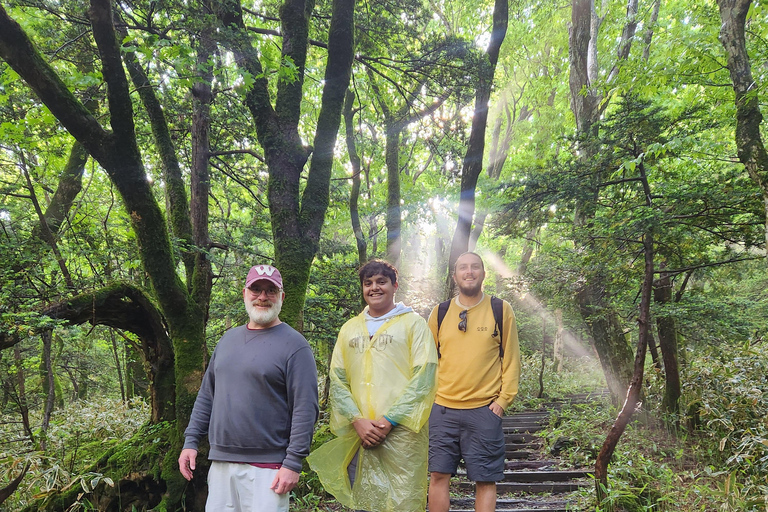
{"points": [[534, 480]]}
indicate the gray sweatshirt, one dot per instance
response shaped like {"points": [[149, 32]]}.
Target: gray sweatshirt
{"points": [[258, 400]]}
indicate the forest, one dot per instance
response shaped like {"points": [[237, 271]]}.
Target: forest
{"points": [[604, 157]]}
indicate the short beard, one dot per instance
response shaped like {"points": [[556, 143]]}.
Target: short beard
{"points": [[264, 317], [473, 291]]}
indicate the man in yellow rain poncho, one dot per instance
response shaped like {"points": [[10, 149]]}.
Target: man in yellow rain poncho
{"points": [[382, 389]]}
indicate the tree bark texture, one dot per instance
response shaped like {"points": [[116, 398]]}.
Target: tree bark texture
{"points": [[69, 186], [9, 489], [648, 34], [201, 280], [583, 102], [749, 142], [473, 158]]}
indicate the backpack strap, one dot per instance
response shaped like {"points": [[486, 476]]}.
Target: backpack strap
{"points": [[442, 309], [497, 305]]}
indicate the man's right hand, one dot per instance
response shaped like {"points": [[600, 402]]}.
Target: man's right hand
{"points": [[369, 432], [187, 462]]}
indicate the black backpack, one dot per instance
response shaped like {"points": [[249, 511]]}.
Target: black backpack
{"points": [[497, 305]]}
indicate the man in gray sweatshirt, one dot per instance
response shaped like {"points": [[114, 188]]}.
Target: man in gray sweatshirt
{"points": [[258, 405]]}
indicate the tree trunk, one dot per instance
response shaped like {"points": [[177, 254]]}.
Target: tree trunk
{"points": [[528, 247], [473, 158], [118, 366], [49, 386], [644, 333], [354, 194], [175, 187], [648, 34], [21, 394], [136, 382], [557, 350], [632, 401], [544, 343], [602, 321], [69, 186], [749, 142], [127, 308], [394, 218], [200, 180], [667, 327], [653, 349], [297, 218], [45, 231]]}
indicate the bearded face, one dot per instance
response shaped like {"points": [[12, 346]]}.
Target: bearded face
{"points": [[469, 274], [264, 311]]}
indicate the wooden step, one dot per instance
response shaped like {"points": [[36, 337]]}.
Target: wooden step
{"points": [[517, 454], [520, 438], [539, 476], [529, 464], [531, 487], [521, 429], [513, 504], [545, 476]]}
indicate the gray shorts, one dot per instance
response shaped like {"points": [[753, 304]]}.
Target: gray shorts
{"points": [[472, 434]]}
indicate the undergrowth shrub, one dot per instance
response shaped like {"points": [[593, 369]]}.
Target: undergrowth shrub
{"points": [[727, 395], [77, 436]]}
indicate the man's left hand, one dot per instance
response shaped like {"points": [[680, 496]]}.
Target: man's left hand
{"points": [[285, 480], [496, 409]]}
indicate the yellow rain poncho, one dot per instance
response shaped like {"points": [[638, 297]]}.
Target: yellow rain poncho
{"points": [[391, 374]]}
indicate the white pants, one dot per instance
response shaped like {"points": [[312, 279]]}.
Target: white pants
{"points": [[243, 488]]}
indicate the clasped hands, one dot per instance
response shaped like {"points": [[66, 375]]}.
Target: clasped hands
{"points": [[372, 432]]}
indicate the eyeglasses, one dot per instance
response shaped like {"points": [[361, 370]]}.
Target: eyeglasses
{"points": [[463, 322], [271, 292]]}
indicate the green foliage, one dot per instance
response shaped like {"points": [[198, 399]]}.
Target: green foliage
{"points": [[727, 393], [578, 375], [78, 437]]}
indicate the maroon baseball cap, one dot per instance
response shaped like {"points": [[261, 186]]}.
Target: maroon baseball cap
{"points": [[264, 273]]}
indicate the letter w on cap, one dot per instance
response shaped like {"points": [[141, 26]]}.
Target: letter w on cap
{"points": [[265, 270]]}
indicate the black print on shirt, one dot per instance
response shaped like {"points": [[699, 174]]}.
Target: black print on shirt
{"points": [[359, 343]]}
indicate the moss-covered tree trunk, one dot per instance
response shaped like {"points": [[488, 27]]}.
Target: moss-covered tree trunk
{"points": [[297, 217], [749, 142]]}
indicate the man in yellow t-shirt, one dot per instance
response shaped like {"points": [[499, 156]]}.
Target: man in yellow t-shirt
{"points": [[478, 374]]}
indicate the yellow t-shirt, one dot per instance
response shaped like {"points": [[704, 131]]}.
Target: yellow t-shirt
{"points": [[471, 372]]}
